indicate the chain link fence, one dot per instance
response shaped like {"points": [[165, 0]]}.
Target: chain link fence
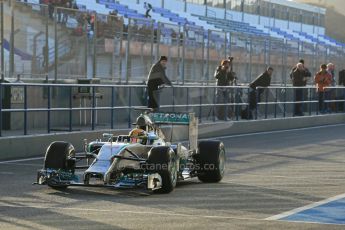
{"points": [[41, 41]]}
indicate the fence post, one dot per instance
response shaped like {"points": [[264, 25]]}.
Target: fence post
{"points": [[203, 55], [336, 101], [276, 103], [310, 99], [269, 51], [2, 52], [187, 107], [237, 106], [184, 36], [266, 106], [283, 63], [112, 107], [230, 45], [249, 111], [56, 46], [257, 96], [215, 108], [173, 99], [250, 56], [70, 109], [343, 103], [208, 56], [86, 49], [285, 93], [46, 51], [48, 107], [12, 43], [158, 42], [25, 110], [129, 106], [1, 107], [226, 101], [318, 104], [127, 66], [94, 60], [200, 107], [93, 108]]}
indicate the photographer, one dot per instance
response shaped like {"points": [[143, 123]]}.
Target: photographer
{"points": [[224, 77], [299, 76]]}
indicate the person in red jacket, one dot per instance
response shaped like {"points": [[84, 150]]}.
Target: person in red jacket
{"points": [[323, 79]]}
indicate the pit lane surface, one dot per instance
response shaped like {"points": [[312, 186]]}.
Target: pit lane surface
{"points": [[267, 175]]}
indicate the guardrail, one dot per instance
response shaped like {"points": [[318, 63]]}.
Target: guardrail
{"points": [[81, 106]]}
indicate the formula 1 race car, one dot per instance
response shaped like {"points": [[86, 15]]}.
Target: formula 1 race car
{"points": [[143, 158]]}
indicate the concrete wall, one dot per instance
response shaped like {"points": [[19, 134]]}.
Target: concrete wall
{"points": [[35, 145]]}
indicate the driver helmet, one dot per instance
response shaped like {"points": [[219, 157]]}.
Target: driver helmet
{"points": [[138, 136], [144, 124]]}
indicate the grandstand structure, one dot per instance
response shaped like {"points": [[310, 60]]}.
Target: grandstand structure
{"points": [[119, 40]]}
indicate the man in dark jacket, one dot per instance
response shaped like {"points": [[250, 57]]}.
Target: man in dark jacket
{"points": [[156, 78], [263, 80], [299, 76], [224, 77]]}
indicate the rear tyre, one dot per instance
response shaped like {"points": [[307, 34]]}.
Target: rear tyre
{"points": [[60, 156], [164, 161], [212, 160]]}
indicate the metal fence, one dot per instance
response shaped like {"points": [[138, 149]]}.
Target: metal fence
{"points": [[46, 108], [65, 43]]}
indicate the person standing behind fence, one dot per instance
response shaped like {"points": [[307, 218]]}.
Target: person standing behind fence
{"points": [[323, 79], [299, 76], [263, 80], [224, 78], [156, 78]]}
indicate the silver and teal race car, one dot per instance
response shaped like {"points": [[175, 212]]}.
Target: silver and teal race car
{"points": [[143, 158]]}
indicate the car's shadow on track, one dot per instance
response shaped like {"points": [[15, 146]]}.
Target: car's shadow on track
{"points": [[191, 195], [80, 191]]}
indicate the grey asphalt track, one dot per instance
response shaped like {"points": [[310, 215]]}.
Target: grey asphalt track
{"points": [[267, 174]]}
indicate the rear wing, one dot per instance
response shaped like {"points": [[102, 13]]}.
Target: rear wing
{"points": [[179, 119]]}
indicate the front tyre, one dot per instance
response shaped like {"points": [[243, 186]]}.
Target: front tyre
{"points": [[164, 161], [211, 160], [60, 157]]}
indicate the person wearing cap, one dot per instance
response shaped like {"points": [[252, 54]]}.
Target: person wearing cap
{"points": [[263, 80], [307, 73], [322, 79], [156, 78], [224, 77], [299, 76]]}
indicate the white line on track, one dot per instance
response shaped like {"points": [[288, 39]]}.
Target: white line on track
{"points": [[22, 160], [273, 132], [22, 164], [6, 173], [310, 206], [171, 214], [134, 212]]}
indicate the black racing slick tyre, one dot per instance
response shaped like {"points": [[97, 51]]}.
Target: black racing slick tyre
{"points": [[211, 160], [164, 161], [59, 156]]}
